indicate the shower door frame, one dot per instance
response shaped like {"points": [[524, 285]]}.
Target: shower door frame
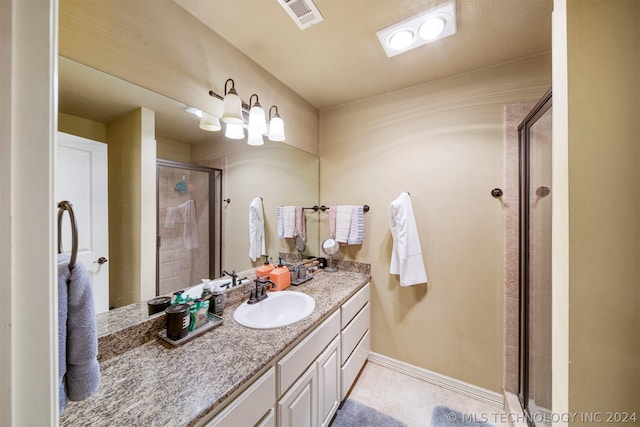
{"points": [[524, 145], [215, 213]]}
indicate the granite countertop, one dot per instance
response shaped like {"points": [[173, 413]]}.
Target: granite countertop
{"points": [[157, 384]]}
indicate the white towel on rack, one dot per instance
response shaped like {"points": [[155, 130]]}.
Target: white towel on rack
{"points": [[406, 255], [343, 223], [279, 222], [288, 221], [356, 230], [256, 229]]}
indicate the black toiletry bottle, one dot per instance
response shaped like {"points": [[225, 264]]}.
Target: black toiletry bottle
{"points": [[216, 303]]}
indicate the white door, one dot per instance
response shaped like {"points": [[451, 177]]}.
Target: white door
{"points": [[81, 178]]}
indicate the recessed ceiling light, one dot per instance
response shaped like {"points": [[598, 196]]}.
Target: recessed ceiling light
{"points": [[401, 39], [432, 28], [430, 25]]}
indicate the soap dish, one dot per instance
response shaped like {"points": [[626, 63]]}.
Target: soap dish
{"points": [[301, 281], [213, 321]]}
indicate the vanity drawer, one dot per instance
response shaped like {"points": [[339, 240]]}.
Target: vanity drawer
{"points": [[255, 406], [353, 333], [297, 360], [353, 366], [352, 307]]}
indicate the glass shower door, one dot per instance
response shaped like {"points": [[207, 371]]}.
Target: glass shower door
{"points": [[535, 261], [188, 225]]}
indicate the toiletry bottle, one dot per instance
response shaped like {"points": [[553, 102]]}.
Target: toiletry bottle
{"points": [[266, 268], [216, 303], [178, 298]]}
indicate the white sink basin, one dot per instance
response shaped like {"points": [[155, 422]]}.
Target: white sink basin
{"points": [[279, 309]]}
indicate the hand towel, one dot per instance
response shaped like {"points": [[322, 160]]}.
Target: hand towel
{"points": [[343, 223], [406, 255], [256, 229], [289, 221], [280, 222], [83, 371], [63, 276], [190, 233], [356, 231], [301, 223], [332, 221]]}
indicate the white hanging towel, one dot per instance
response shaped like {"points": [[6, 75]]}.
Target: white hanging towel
{"points": [[343, 223], [288, 221], [256, 229], [406, 256]]}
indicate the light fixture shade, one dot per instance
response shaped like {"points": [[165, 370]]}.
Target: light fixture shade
{"points": [[257, 119], [255, 137], [210, 123], [232, 112], [276, 129], [234, 131]]}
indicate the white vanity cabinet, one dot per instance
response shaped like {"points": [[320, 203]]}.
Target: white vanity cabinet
{"points": [[354, 336], [253, 407], [307, 384]]}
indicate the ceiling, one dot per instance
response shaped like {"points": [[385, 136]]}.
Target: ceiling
{"points": [[340, 59]]}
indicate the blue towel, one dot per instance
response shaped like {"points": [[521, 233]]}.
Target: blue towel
{"points": [[82, 376], [63, 276]]}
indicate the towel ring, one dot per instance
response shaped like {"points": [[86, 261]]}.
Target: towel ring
{"points": [[66, 206]]}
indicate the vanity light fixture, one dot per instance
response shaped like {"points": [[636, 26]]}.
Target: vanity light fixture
{"points": [[257, 120], [209, 122], [232, 112], [234, 131], [433, 24], [276, 125], [237, 115]]}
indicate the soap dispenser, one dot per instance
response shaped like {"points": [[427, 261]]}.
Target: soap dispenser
{"points": [[265, 269], [281, 278]]}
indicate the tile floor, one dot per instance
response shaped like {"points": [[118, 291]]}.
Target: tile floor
{"points": [[412, 400]]}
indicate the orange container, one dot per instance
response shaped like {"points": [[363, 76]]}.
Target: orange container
{"points": [[281, 278], [264, 270]]}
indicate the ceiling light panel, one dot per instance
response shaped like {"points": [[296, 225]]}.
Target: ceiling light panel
{"points": [[426, 27]]}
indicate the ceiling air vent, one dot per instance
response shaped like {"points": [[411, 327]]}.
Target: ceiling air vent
{"points": [[303, 12]]}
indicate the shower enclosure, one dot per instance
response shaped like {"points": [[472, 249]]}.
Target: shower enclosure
{"points": [[189, 208], [534, 135]]}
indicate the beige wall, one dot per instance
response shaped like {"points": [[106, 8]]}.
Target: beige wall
{"points": [[280, 174], [160, 46], [173, 150], [442, 142], [85, 128], [132, 207], [604, 205]]}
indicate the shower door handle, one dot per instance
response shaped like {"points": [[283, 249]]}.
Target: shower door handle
{"points": [[101, 260]]}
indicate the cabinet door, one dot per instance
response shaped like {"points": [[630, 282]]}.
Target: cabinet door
{"points": [[253, 407], [328, 364], [299, 406]]}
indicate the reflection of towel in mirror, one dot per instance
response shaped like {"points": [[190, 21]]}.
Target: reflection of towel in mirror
{"points": [[184, 215], [288, 217], [82, 376], [256, 229], [406, 255], [301, 223], [343, 223]]}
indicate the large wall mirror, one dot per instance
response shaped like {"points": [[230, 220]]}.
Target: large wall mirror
{"points": [[139, 127]]}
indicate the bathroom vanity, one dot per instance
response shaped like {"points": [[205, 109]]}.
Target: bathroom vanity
{"points": [[232, 375]]}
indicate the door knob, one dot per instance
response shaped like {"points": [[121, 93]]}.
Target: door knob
{"points": [[101, 260]]}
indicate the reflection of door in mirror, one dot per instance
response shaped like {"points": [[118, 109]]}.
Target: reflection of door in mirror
{"points": [[189, 227], [81, 178]]}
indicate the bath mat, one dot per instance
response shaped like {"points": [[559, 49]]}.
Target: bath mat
{"points": [[443, 416], [356, 414]]}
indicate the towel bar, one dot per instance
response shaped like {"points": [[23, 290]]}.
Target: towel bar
{"points": [[66, 206]]}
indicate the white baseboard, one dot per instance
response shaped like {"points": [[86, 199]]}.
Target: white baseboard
{"points": [[478, 393]]}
